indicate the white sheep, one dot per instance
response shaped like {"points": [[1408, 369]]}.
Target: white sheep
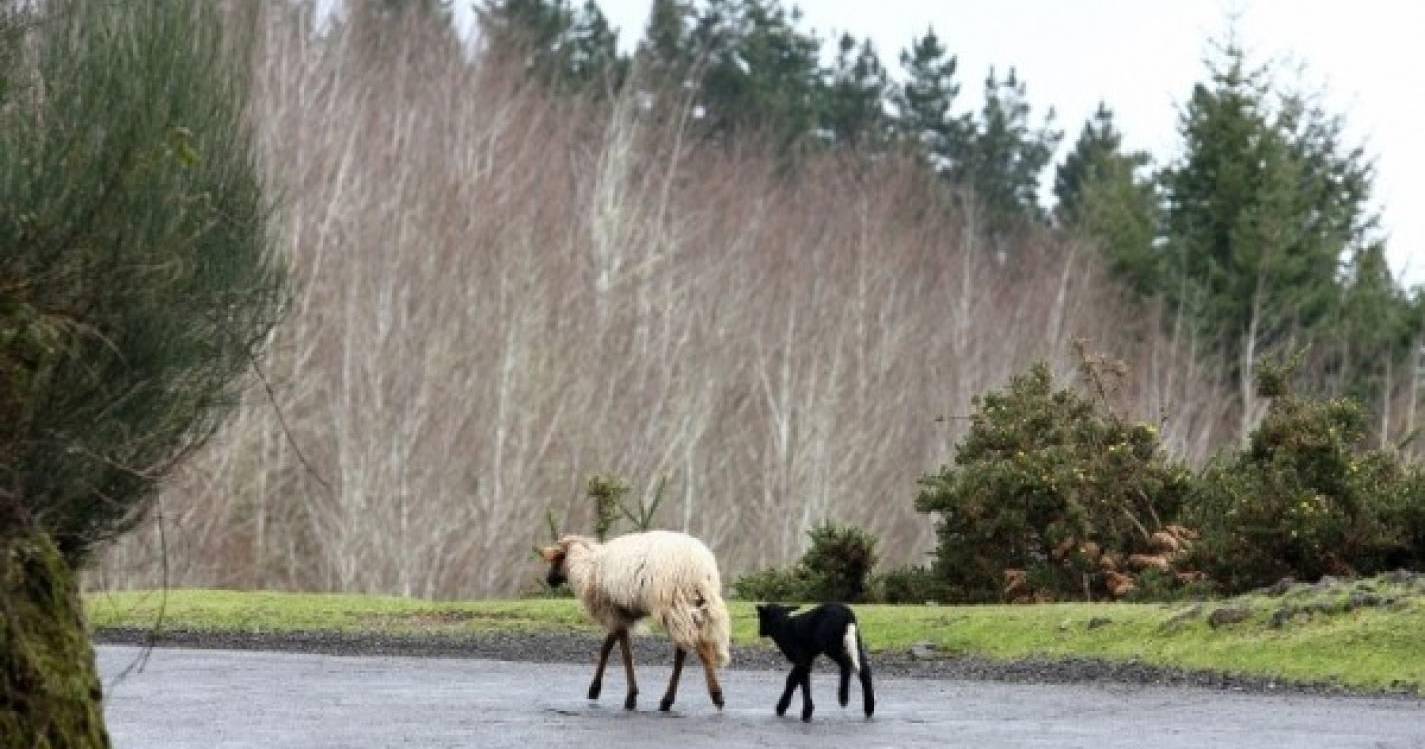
{"points": [[669, 576]]}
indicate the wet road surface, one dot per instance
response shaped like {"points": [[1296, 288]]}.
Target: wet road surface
{"points": [[216, 698]]}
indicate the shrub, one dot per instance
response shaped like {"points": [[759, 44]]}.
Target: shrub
{"points": [[1050, 491], [772, 584], [909, 584], [836, 567], [1303, 499], [839, 562], [137, 274]]}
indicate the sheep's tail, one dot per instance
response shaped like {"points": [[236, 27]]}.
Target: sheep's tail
{"points": [[717, 627], [700, 620], [853, 647]]}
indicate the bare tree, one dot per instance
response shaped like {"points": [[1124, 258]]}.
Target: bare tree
{"points": [[501, 293]]}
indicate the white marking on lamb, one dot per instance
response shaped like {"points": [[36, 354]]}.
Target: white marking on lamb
{"points": [[849, 640], [669, 576]]}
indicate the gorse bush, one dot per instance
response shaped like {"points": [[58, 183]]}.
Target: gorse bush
{"points": [[908, 584], [1304, 499], [839, 562], [836, 567], [1049, 492]]}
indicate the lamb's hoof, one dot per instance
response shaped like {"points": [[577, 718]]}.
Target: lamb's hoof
{"points": [[630, 702], [843, 699], [781, 710], [665, 705], [717, 699], [806, 716], [594, 690]]}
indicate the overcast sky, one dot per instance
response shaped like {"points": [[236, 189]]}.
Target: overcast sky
{"points": [[1142, 57]]}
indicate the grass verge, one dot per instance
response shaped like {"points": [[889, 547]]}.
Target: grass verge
{"points": [[1360, 635]]}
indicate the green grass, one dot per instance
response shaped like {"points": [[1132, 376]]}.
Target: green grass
{"points": [[1374, 648]]}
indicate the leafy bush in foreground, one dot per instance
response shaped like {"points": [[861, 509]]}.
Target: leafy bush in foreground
{"points": [[1052, 496], [1303, 499]]}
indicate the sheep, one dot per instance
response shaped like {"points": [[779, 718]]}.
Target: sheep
{"points": [[830, 629], [669, 576]]}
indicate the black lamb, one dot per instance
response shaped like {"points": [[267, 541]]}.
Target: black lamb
{"points": [[828, 629]]}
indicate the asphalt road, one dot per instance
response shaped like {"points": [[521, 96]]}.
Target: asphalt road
{"points": [[217, 698]]}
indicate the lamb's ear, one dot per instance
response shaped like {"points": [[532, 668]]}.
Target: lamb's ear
{"points": [[550, 553]]}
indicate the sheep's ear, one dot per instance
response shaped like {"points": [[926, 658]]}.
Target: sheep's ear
{"points": [[550, 553]]}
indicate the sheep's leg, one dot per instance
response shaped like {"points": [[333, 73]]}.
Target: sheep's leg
{"points": [[678, 655], [631, 701], [793, 679], [707, 653], [843, 692], [597, 684], [806, 694]]}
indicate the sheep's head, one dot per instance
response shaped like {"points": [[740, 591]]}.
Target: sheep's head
{"points": [[558, 556], [770, 616]]}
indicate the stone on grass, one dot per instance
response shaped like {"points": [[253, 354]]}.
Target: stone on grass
{"points": [[1228, 615]]}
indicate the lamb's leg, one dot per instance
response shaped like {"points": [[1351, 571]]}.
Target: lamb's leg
{"points": [[793, 679], [868, 695], [806, 694], [631, 701], [707, 653], [598, 684], [678, 655], [843, 692]]}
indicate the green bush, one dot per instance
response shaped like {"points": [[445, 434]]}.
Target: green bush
{"points": [[138, 279], [1304, 499], [836, 567], [909, 584], [1047, 482], [772, 584], [839, 562]]}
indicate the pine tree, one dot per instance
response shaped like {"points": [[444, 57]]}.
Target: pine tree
{"points": [[573, 49], [853, 100], [1102, 196], [1374, 336], [1262, 207], [664, 57], [924, 103], [1098, 149], [1003, 156], [761, 73]]}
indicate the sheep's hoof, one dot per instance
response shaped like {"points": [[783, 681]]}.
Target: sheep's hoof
{"points": [[630, 702], [717, 698], [665, 705], [806, 716], [594, 690], [843, 698], [781, 709]]}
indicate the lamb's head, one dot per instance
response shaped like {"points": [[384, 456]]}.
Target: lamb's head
{"points": [[770, 617], [558, 557]]}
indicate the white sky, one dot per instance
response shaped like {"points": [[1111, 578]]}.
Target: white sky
{"points": [[1142, 57]]}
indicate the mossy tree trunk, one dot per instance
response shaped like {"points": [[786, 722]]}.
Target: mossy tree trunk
{"points": [[49, 687]]}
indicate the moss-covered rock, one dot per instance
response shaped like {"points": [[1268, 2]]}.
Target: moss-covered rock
{"points": [[49, 687]]}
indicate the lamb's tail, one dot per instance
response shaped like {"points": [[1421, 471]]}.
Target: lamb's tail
{"points": [[853, 647]]}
